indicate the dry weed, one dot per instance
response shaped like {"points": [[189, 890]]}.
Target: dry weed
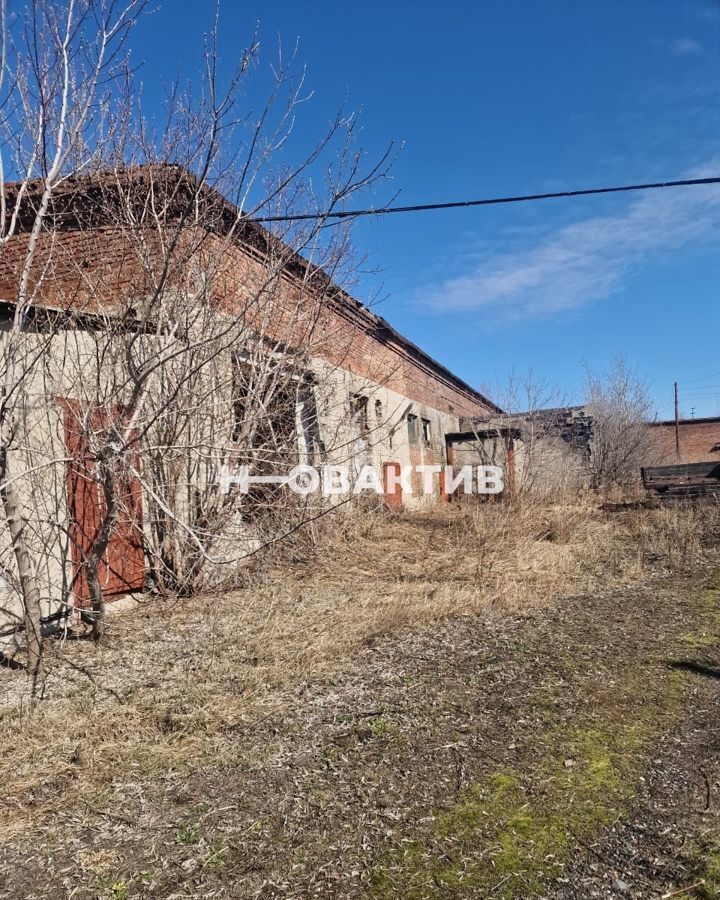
{"points": [[176, 677]]}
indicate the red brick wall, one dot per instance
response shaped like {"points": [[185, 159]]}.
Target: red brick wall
{"points": [[699, 440], [86, 269]]}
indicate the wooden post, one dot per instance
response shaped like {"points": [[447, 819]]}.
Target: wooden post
{"points": [[677, 426], [511, 467]]}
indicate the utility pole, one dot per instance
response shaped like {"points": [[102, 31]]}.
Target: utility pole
{"points": [[677, 425]]}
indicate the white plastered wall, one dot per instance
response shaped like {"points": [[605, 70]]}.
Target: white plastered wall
{"points": [[67, 368]]}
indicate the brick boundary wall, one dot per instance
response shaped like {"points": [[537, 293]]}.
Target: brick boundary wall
{"points": [[699, 440]]}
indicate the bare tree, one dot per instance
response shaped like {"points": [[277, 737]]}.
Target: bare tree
{"points": [[539, 453], [621, 409], [193, 341], [534, 440], [61, 69]]}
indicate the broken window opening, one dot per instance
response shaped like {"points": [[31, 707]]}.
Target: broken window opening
{"points": [[310, 444], [275, 417], [413, 434], [359, 412]]}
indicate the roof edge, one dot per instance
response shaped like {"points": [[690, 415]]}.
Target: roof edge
{"points": [[231, 217]]}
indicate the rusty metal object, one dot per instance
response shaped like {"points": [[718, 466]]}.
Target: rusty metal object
{"points": [[689, 479], [393, 493]]}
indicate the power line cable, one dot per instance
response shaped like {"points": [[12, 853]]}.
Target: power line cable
{"points": [[712, 392], [701, 378], [489, 201], [703, 396]]}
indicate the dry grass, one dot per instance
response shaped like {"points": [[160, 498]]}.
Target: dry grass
{"points": [[176, 678], [378, 575]]}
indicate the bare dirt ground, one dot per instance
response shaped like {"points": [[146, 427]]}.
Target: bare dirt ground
{"points": [[370, 731]]}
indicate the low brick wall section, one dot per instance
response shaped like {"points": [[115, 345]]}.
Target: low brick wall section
{"points": [[699, 439]]}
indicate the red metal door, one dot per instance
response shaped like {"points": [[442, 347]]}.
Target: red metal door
{"points": [[122, 568], [393, 492]]}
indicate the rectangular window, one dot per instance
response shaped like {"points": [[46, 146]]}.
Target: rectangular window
{"points": [[359, 412], [312, 448], [275, 426], [426, 431], [275, 414], [413, 435]]}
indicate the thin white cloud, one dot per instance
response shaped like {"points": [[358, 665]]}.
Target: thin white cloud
{"points": [[587, 261], [686, 46]]}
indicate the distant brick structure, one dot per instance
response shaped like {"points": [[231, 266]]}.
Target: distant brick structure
{"points": [[699, 440]]}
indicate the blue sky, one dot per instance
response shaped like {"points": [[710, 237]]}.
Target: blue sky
{"points": [[497, 98]]}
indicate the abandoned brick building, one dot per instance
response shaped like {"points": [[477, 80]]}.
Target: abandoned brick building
{"points": [[542, 451], [548, 449], [373, 393]]}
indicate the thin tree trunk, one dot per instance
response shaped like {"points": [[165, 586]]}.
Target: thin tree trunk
{"points": [[97, 600], [28, 582], [108, 480]]}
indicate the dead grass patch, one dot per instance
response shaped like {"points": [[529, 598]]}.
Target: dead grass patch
{"points": [[175, 678]]}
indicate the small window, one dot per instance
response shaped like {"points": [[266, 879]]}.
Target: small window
{"points": [[412, 429], [359, 411], [379, 410], [426, 431]]}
